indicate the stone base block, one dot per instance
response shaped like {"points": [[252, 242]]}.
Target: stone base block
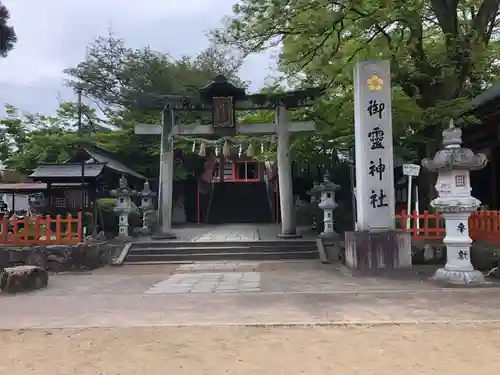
{"points": [[372, 250], [459, 277], [290, 236], [163, 236], [328, 249]]}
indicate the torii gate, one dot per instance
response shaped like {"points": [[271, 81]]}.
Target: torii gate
{"points": [[221, 99]]}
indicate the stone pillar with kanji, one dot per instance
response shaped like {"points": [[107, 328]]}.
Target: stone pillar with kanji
{"points": [[375, 242], [455, 204]]}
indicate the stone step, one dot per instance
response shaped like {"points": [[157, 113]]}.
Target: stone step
{"points": [[138, 258], [258, 243], [219, 249]]}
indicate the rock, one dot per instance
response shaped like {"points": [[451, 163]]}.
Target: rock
{"points": [[23, 278], [428, 252], [37, 258], [484, 256], [101, 236], [56, 258]]}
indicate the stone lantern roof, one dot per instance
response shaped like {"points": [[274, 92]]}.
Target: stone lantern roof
{"points": [[325, 186], [453, 156], [123, 189]]}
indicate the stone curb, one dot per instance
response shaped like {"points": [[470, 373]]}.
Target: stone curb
{"points": [[121, 258]]}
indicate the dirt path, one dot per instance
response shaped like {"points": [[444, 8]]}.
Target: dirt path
{"points": [[405, 349]]}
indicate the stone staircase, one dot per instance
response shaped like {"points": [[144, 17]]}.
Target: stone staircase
{"points": [[151, 252]]}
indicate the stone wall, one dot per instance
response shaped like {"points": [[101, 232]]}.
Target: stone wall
{"points": [[90, 254], [484, 256]]}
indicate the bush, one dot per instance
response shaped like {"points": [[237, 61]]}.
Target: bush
{"points": [[306, 212], [108, 218]]}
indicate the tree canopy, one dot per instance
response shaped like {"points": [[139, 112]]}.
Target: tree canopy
{"points": [[441, 51], [112, 76], [7, 33]]}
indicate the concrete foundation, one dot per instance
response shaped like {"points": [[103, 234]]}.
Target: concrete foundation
{"points": [[372, 250]]}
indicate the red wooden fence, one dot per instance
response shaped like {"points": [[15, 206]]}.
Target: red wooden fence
{"points": [[483, 225], [40, 230]]}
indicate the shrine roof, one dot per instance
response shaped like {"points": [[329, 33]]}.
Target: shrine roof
{"points": [[102, 156], [22, 186], [72, 167], [32, 186], [488, 96], [68, 170]]}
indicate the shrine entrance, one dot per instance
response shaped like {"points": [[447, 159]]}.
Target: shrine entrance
{"points": [[243, 162], [238, 193]]}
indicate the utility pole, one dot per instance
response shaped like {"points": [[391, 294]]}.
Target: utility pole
{"points": [[82, 165]]}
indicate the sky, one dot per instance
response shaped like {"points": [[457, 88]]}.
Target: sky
{"points": [[53, 35]]}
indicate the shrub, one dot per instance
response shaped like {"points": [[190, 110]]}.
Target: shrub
{"points": [[108, 218]]}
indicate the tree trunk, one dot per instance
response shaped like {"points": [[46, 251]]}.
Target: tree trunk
{"points": [[427, 180]]}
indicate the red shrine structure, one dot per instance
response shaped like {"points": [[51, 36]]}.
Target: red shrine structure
{"points": [[237, 189]]}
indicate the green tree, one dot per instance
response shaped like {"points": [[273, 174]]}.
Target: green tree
{"points": [[441, 51], [29, 139], [129, 86], [118, 78], [7, 33]]}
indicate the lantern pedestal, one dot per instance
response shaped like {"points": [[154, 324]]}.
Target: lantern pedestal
{"points": [[458, 268]]}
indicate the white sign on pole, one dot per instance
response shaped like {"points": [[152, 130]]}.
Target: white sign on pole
{"points": [[412, 170], [374, 149]]}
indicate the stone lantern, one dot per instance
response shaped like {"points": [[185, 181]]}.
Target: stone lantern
{"points": [[326, 191], [123, 206], [456, 204], [147, 204]]}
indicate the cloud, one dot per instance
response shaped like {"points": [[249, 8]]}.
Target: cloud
{"points": [[53, 34]]}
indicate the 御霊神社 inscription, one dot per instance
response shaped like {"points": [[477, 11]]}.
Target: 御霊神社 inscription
{"points": [[374, 149]]}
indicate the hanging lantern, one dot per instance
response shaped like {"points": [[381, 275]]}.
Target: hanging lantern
{"points": [[250, 150], [240, 150], [216, 150], [203, 151], [226, 149], [261, 147], [194, 147]]}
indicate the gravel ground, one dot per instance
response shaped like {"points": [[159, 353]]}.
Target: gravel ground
{"points": [[384, 349]]}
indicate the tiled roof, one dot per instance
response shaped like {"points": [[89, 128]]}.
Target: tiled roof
{"points": [[101, 156], [72, 170], [22, 186], [487, 96]]}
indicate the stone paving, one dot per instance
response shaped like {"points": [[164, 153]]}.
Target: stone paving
{"points": [[226, 266], [300, 292], [230, 233], [234, 232], [208, 282]]}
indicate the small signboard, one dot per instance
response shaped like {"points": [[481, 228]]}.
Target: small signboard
{"points": [[412, 170]]}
